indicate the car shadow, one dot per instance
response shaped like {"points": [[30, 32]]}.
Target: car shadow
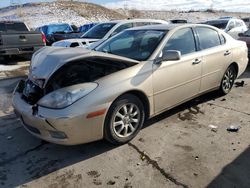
{"points": [[37, 158], [13, 60], [246, 74], [235, 174], [190, 104]]}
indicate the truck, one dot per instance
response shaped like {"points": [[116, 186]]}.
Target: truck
{"points": [[16, 38]]}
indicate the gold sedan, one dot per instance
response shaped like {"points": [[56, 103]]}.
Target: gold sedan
{"points": [[75, 96]]}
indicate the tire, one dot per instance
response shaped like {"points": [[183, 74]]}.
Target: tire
{"points": [[227, 81], [121, 124]]}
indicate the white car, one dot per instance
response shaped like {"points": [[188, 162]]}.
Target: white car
{"points": [[106, 30], [232, 26]]}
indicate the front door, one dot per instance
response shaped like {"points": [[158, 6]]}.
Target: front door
{"points": [[177, 81]]}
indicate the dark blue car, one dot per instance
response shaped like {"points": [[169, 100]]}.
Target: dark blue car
{"points": [[53, 32], [84, 28]]}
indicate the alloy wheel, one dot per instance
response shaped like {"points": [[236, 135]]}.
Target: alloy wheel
{"points": [[126, 120]]}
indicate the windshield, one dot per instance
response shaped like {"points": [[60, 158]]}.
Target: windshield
{"points": [[221, 24], [99, 31], [59, 28], [133, 44]]}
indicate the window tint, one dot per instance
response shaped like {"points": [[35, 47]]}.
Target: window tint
{"points": [[123, 27], [13, 27], [59, 28], [208, 38], [98, 31], [182, 40], [74, 44], [221, 24]]}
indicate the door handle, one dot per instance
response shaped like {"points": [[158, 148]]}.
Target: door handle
{"points": [[196, 61], [227, 53], [21, 37]]}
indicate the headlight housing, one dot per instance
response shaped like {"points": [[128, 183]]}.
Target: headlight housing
{"points": [[64, 97]]}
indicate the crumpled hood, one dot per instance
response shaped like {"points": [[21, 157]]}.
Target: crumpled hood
{"points": [[49, 59]]}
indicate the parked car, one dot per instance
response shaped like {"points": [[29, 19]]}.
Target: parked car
{"points": [[247, 21], [246, 38], [232, 26], [55, 32], [16, 38], [84, 28], [74, 95], [103, 31]]}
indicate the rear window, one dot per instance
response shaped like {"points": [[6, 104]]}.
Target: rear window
{"points": [[221, 24], [12, 27]]}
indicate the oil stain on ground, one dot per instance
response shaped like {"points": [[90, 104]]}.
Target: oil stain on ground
{"points": [[190, 114]]}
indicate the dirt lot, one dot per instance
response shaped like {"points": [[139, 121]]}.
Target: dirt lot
{"points": [[175, 149]]}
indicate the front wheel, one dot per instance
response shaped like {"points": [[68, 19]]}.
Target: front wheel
{"points": [[124, 119], [227, 81]]}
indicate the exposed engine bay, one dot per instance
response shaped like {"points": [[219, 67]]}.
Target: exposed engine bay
{"points": [[75, 72]]}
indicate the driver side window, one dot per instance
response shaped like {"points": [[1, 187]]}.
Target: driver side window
{"points": [[182, 40]]}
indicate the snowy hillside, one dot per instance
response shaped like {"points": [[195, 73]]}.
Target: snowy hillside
{"points": [[227, 5], [37, 14]]}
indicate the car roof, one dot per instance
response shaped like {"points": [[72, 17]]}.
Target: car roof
{"points": [[165, 27], [135, 20], [168, 27]]}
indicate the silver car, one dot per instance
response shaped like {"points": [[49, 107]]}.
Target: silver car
{"points": [[74, 95]]}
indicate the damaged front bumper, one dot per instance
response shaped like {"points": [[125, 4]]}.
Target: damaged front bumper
{"points": [[58, 126]]}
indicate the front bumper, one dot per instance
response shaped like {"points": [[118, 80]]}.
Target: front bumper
{"points": [[57, 127]]}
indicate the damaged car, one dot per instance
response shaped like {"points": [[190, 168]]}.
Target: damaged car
{"points": [[74, 95]]}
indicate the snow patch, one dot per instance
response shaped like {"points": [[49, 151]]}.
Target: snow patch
{"points": [[9, 67], [183, 5]]}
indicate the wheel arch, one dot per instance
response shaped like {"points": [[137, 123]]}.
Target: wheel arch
{"points": [[142, 97], [236, 67]]}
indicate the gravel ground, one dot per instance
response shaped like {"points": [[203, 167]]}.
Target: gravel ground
{"points": [[175, 149]]}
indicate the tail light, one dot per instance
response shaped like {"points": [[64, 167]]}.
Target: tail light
{"points": [[43, 38]]}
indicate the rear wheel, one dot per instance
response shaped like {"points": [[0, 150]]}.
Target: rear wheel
{"points": [[124, 119], [227, 81]]}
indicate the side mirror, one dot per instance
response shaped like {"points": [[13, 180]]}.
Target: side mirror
{"points": [[169, 55], [241, 34]]}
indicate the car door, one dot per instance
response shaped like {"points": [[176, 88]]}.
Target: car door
{"points": [[215, 55], [177, 81]]}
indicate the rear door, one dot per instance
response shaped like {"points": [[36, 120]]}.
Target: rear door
{"points": [[215, 56]]}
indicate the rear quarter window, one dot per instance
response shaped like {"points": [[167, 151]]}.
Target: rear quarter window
{"points": [[208, 38]]}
